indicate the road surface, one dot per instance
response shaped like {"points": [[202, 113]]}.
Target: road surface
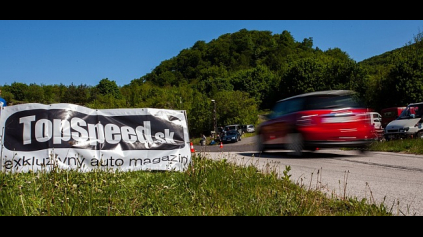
{"points": [[394, 179]]}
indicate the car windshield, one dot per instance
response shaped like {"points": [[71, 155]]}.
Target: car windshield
{"points": [[231, 133], [412, 111]]}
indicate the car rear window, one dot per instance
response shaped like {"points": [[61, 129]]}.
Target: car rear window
{"points": [[333, 102]]}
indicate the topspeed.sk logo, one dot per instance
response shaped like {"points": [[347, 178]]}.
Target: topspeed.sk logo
{"points": [[41, 129]]}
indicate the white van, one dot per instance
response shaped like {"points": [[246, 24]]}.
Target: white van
{"points": [[408, 124], [376, 120]]}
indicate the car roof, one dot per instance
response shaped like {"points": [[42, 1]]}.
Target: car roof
{"points": [[327, 92], [419, 103], [394, 108]]}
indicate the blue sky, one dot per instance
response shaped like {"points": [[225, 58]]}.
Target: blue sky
{"points": [[85, 51]]}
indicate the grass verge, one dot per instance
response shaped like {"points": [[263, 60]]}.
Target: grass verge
{"points": [[207, 188], [409, 146]]}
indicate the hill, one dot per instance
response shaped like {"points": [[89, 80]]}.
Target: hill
{"points": [[244, 73]]}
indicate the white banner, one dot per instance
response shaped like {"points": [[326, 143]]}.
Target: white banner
{"points": [[38, 137]]}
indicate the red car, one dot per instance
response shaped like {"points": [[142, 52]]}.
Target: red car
{"points": [[323, 119]]}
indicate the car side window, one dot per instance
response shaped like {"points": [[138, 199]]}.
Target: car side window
{"points": [[287, 107], [294, 105], [278, 110]]}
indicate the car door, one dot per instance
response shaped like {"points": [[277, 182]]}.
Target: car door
{"points": [[281, 122], [270, 129]]}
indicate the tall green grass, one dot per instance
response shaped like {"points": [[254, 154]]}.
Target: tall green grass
{"points": [[410, 146], [207, 188]]}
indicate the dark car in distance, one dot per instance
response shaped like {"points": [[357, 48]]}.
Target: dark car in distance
{"points": [[322, 119], [231, 136]]}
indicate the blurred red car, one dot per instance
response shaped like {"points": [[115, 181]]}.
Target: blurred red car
{"points": [[323, 119]]}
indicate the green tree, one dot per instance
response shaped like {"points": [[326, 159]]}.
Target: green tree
{"points": [[235, 107], [404, 82], [34, 93], [18, 90], [200, 115], [108, 87], [51, 94], [6, 94], [259, 82], [306, 75], [212, 80], [76, 94]]}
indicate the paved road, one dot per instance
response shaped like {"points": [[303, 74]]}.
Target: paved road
{"points": [[396, 180], [246, 144]]}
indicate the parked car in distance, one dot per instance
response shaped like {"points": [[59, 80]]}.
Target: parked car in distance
{"points": [[237, 127], [376, 120], [407, 125], [231, 136], [249, 128], [390, 114], [322, 119]]}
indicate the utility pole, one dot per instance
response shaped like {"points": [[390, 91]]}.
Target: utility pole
{"points": [[214, 118]]}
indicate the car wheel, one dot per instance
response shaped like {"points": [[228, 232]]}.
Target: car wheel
{"points": [[295, 143], [260, 146], [419, 135]]}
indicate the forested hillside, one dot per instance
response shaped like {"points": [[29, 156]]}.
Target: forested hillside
{"points": [[245, 73]]}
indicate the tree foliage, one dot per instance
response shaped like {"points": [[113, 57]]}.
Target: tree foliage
{"points": [[245, 72], [108, 87]]}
